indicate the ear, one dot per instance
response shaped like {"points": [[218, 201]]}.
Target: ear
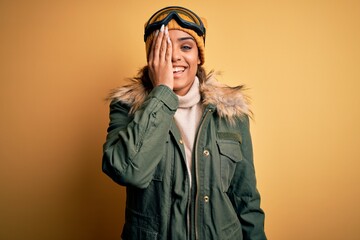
{"points": [[198, 56]]}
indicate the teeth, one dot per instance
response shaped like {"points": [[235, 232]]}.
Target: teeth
{"points": [[178, 69]]}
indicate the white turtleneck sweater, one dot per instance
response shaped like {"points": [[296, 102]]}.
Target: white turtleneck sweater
{"points": [[187, 118]]}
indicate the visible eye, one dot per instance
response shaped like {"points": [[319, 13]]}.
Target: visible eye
{"points": [[186, 47]]}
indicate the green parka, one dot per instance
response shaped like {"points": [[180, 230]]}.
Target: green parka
{"points": [[144, 152]]}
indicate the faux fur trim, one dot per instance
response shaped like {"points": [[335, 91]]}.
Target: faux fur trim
{"points": [[132, 94], [230, 102]]}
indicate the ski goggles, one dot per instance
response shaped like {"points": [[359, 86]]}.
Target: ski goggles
{"points": [[192, 22]]}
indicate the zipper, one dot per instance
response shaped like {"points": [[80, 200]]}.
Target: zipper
{"points": [[188, 225], [196, 173], [188, 212]]}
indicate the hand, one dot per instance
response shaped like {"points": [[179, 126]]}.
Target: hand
{"points": [[160, 65]]}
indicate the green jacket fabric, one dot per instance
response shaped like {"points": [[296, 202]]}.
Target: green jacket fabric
{"points": [[144, 152]]}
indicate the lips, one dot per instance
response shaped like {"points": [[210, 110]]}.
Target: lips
{"points": [[178, 69]]}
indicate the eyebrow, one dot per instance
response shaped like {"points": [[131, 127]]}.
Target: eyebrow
{"points": [[185, 38]]}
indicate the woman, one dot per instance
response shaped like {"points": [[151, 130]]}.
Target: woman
{"points": [[180, 143]]}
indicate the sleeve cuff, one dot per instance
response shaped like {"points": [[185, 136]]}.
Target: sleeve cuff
{"points": [[165, 95]]}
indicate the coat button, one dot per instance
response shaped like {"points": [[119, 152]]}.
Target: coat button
{"points": [[206, 199], [181, 142], [206, 153]]}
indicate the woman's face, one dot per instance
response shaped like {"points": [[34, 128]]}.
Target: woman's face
{"points": [[185, 60]]}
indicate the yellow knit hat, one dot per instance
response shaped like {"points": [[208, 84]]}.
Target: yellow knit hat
{"points": [[173, 25]]}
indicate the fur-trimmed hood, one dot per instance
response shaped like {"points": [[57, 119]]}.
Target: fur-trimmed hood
{"points": [[230, 102]]}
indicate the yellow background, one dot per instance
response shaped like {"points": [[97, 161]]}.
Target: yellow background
{"points": [[58, 60]]}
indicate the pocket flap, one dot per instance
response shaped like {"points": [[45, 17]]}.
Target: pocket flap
{"points": [[230, 149]]}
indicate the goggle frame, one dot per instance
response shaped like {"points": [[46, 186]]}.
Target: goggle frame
{"points": [[172, 12]]}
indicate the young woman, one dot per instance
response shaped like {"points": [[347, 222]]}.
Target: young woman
{"points": [[180, 142]]}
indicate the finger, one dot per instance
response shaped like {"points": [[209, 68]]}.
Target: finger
{"points": [[158, 43], [168, 55], [151, 54], [164, 44]]}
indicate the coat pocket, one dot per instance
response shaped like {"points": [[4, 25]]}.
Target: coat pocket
{"points": [[230, 155], [140, 226], [137, 233]]}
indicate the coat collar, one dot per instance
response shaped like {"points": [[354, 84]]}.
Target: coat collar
{"points": [[229, 102]]}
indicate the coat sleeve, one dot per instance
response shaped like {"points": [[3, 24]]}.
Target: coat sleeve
{"points": [[135, 145], [243, 191]]}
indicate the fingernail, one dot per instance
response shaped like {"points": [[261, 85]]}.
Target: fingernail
{"points": [[166, 30], [168, 39], [162, 28], [156, 32]]}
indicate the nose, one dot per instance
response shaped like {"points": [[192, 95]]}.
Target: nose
{"points": [[176, 55]]}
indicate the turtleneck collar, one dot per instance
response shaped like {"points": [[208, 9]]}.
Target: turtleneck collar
{"points": [[192, 97]]}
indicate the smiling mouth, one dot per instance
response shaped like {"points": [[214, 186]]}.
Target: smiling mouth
{"points": [[178, 69]]}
